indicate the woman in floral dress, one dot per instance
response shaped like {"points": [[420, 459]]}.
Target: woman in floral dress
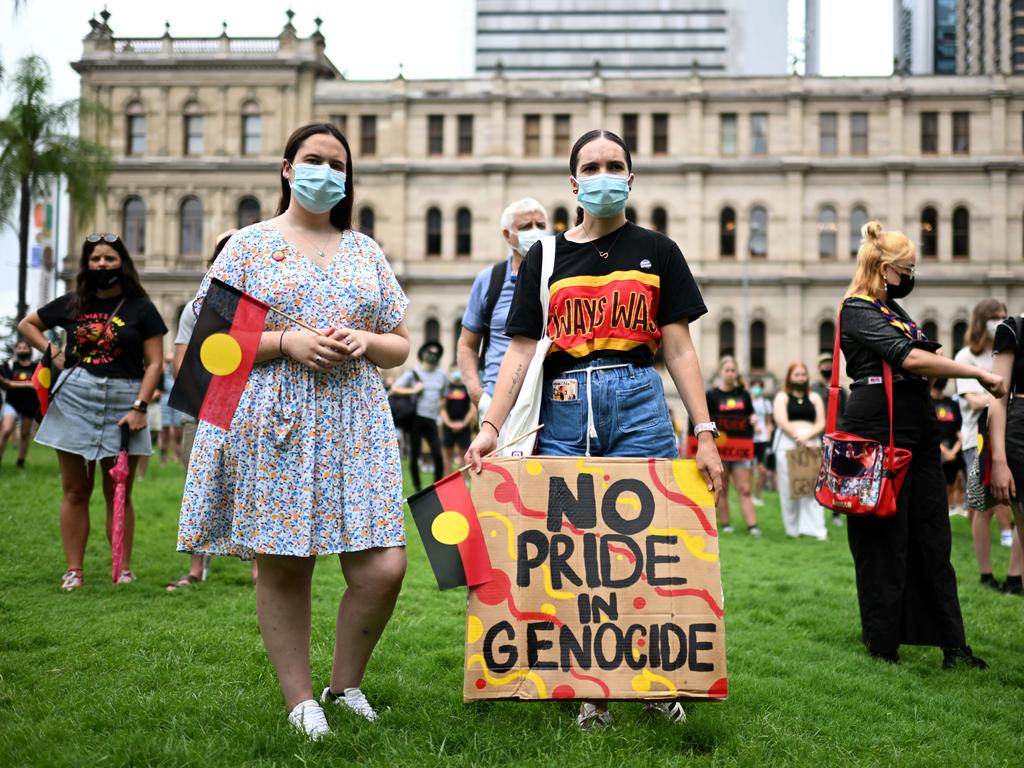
{"points": [[310, 464]]}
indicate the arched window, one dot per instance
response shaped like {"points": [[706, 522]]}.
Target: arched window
{"points": [[133, 226], [758, 346], [135, 129], [252, 128], [191, 227], [726, 338], [858, 218], [463, 232], [929, 233], [930, 329], [561, 220], [959, 333], [826, 336], [659, 220], [758, 232], [431, 330], [727, 233], [827, 228], [192, 133], [631, 214], [249, 212], [367, 220], [434, 232], [961, 232]]}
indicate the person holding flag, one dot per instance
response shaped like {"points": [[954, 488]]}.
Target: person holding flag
{"points": [[111, 366], [22, 402], [307, 463], [601, 395]]}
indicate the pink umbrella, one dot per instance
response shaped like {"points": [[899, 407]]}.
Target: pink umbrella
{"points": [[119, 474]]}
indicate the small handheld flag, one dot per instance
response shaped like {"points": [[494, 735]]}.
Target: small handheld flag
{"points": [[220, 355], [43, 380], [451, 534]]}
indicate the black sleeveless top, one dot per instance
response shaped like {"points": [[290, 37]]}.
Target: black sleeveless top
{"points": [[800, 411]]}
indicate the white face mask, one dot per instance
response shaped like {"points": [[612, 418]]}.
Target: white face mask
{"points": [[991, 325], [528, 237]]}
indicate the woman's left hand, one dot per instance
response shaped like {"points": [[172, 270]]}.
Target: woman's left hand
{"points": [[1002, 486], [355, 342], [136, 420], [710, 464]]}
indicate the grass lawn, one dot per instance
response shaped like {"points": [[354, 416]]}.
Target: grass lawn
{"points": [[134, 676]]}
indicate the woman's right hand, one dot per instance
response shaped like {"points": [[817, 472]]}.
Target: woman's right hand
{"points": [[317, 351], [484, 443], [993, 384], [1002, 485]]}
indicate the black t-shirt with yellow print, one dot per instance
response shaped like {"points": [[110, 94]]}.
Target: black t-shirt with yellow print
{"points": [[606, 307]]}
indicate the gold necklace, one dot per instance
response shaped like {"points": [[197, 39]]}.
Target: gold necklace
{"points": [[603, 254]]}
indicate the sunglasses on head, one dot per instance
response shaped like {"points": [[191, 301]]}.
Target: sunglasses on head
{"points": [[106, 237]]}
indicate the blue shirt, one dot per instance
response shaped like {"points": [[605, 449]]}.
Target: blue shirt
{"points": [[473, 320]]}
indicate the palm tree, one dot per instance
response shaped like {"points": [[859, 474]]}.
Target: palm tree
{"points": [[36, 148]]}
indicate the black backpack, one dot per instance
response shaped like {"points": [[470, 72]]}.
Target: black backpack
{"points": [[493, 293], [403, 407]]}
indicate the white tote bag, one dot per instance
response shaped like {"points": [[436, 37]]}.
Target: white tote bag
{"points": [[525, 414]]}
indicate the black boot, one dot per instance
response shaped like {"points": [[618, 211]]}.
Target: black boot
{"points": [[889, 657], [1013, 585], [955, 657], [988, 580]]}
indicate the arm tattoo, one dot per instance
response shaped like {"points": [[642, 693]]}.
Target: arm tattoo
{"points": [[515, 379]]}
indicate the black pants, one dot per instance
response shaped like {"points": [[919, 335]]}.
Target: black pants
{"points": [[424, 428], [906, 584]]}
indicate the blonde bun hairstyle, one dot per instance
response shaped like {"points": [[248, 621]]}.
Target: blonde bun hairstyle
{"points": [[878, 248]]}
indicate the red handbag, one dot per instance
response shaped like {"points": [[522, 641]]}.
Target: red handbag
{"points": [[859, 476]]}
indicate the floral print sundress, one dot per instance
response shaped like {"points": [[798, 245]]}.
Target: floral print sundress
{"points": [[310, 464]]}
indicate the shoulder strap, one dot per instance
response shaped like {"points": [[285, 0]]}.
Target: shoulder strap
{"points": [[493, 293], [547, 267], [78, 362]]}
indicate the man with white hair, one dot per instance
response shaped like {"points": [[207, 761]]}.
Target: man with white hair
{"points": [[483, 342]]}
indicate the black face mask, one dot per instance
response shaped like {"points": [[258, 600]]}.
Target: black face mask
{"points": [[826, 373], [902, 288], [799, 387], [101, 279], [24, 355]]}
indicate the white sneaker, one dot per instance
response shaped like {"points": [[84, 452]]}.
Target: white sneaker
{"points": [[1006, 538], [353, 698], [591, 719], [671, 710], [308, 717], [757, 501]]}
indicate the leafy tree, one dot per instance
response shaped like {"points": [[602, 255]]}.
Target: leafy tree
{"points": [[36, 146]]}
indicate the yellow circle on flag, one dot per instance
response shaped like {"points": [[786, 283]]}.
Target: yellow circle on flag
{"points": [[44, 377], [450, 528], [220, 354]]}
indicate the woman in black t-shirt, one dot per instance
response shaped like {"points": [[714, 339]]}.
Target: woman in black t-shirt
{"points": [[111, 365], [618, 292], [1006, 426], [22, 402]]}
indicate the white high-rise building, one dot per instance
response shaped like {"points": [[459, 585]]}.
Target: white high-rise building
{"points": [[639, 38]]}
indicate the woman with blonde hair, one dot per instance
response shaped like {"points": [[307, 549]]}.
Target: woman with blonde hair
{"points": [[906, 585], [799, 417]]}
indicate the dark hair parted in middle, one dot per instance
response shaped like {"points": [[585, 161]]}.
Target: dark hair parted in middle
{"points": [[581, 142], [341, 214], [130, 283]]}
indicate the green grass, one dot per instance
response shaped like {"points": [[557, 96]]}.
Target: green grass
{"points": [[134, 676]]}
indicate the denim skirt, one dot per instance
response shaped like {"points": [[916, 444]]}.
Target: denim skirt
{"points": [[82, 417]]}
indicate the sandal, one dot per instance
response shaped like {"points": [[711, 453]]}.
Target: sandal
{"points": [[185, 581], [72, 580], [126, 577]]}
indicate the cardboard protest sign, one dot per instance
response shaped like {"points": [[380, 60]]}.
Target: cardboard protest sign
{"points": [[804, 465], [730, 446], [606, 582]]}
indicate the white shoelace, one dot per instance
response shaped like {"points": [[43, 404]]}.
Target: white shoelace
{"points": [[355, 700], [309, 717]]}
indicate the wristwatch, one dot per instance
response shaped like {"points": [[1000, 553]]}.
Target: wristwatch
{"points": [[140, 406], [707, 426]]}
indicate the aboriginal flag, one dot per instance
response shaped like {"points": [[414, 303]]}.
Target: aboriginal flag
{"points": [[220, 355], [447, 522], [43, 379]]}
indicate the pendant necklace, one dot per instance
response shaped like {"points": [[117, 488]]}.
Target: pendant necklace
{"points": [[604, 254], [321, 252]]}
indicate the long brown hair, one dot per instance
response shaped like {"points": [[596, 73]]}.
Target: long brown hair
{"points": [[978, 339], [131, 286], [877, 249], [581, 142], [788, 381], [341, 214]]}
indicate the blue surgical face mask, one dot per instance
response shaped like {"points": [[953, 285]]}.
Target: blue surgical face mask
{"points": [[318, 188], [603, 196], [528, 237]]}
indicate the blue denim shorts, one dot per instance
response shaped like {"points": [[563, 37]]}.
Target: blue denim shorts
{"points": [[630, 415]]}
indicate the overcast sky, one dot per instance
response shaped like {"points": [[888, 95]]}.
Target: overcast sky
{"points": [[434, 39]]}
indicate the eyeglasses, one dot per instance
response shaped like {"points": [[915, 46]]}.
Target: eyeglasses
{"points": [[106, 237], [905, 270]]}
